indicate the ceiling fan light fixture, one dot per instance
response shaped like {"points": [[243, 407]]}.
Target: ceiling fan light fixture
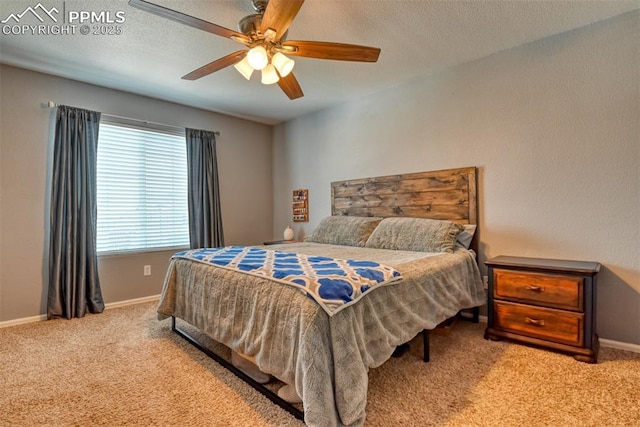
{"points": [[244, 68], [264, 34], [269, 75], [283, 64], [258, 58]]}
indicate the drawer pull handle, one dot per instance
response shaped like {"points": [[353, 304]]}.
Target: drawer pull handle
{"points": [[536, 322], [534, 288]]}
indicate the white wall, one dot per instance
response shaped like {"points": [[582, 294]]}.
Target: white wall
{"points": [[553, 128], [26, 145]]}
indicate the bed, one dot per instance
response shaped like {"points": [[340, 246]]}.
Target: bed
{"points": [[327, 355]]}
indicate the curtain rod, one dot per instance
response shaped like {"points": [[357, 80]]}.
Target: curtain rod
{"points": [[51, 104]]}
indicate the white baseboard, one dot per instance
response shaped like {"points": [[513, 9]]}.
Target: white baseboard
{"points": [[22, 320], [107, 306], [131, 301], [620, 345]]}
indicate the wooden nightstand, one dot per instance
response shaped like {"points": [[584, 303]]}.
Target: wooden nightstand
{"points": [[279, 242], [544, 302]]}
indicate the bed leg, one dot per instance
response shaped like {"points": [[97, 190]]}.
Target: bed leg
{"points": [[476, 314], [425, 342]]}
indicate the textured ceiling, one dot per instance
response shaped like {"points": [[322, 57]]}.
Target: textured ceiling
{"points": [[417, 38]]}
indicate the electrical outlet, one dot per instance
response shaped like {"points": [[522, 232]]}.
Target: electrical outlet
{"points": [[147, 270], [485, 282]]}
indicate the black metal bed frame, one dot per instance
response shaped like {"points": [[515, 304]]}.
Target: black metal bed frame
{"points": [[237, 372], [269, 394]]}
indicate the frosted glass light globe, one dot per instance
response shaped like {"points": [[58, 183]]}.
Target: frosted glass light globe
{"points": [[283, 64], [258, 58], [269, 75]]}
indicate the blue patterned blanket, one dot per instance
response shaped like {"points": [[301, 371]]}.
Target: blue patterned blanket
{"points": [[331, 283]]}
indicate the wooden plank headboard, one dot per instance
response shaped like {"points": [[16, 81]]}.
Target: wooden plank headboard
{"points": [[446, 194]]}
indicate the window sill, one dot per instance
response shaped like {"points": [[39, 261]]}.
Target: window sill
{"points": [[118, 253]]}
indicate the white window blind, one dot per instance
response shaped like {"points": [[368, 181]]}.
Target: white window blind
{"points": [[141, 187]]}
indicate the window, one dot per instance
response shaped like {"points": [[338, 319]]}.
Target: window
{"points": [[141, 187]]}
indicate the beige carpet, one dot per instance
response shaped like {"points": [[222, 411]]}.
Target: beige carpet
{"points": [[125, 368]]}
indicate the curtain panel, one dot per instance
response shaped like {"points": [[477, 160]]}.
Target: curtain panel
{"points": [[74, 286], [205, 212]]}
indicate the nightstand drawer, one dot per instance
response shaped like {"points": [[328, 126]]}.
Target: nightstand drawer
{"points": [[545, 323], [550, 290]]}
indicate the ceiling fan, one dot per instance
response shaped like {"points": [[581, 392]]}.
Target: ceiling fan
{"points": [[264, 35]]}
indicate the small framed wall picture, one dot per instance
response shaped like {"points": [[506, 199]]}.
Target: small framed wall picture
{"points": [[300, 205]]}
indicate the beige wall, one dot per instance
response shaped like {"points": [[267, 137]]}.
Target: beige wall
{"points": [[244, 160], [553, 128]]}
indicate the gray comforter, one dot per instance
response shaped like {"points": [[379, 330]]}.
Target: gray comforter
{"points": [[292, 338]]}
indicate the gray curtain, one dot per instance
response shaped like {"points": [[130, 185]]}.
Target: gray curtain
{"points": [[74, 286], [205, 213]]}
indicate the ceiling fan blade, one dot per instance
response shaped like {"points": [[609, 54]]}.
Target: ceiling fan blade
{"points": [[290, 86], [188, 20], [216, 65], [336, 51], [279, 15]]}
